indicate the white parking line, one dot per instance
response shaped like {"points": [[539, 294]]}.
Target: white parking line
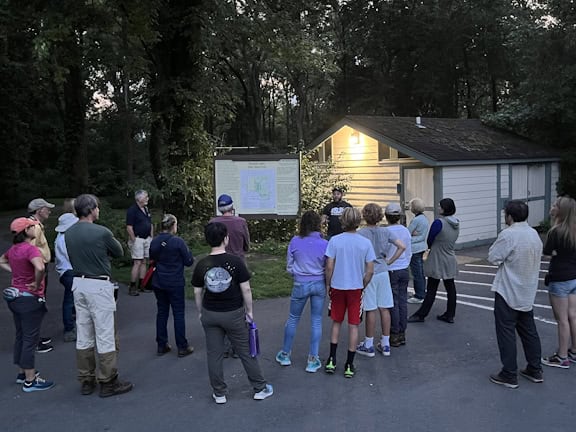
{"points": [[442, 296], [492, 266], [485, 285], [484, 274], [477, 306], [491, 299]]}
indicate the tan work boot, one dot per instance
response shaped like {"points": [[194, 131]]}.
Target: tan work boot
{"points": [[114, 387]]}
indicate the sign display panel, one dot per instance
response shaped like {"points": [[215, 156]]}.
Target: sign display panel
{"points": [[261, 186]]}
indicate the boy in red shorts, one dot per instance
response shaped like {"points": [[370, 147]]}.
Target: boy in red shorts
{"points": [[349, 268]]}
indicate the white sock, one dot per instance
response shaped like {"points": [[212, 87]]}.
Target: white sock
{"points": [[385, 341], [369, 342]]}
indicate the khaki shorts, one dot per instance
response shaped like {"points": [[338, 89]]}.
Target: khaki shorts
{"points": [[140, 248]]}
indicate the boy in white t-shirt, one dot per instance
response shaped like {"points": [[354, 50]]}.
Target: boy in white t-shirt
{"points": [[349, 269]]}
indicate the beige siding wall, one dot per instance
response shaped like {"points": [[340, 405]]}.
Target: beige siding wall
{"points": [[371, 180], [473, 190]]}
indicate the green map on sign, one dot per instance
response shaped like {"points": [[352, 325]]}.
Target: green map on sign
{"points": [[258, 188]]}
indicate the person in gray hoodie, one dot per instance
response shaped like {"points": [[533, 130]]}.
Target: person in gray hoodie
{"points": [[441, 262]]}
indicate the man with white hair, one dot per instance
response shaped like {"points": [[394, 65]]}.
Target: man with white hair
{"points": [[140, 233], [238, 234]]}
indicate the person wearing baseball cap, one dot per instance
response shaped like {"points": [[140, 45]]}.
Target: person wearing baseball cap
{"points": [[238, 239], [27, 303], [238, 234], [333, 210], [39, 210], [398, 273]]}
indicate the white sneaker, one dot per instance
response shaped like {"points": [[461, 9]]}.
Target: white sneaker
{"points": [[415, 300], [363, 350], [219, 399], [265, 393], [383, 349]]}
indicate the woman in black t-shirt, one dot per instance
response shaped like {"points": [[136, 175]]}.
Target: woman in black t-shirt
{"points": [[223, 296], [561, 280]]}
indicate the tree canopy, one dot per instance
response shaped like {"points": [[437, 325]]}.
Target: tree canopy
{"points": [[108, 96]]}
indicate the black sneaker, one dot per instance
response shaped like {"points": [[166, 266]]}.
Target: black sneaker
{"points": [[21, 377], [39, 384], [42, 348], [186, 351], [415, 319], [45, 340], [445, 318], [163, 350], [349, 371], [330, 366], [506, 382], [532, 375]]}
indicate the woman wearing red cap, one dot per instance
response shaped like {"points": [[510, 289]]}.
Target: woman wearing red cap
{"points": [[26, 301]]}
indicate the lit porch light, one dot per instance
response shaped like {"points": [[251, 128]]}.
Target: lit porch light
{"points": [[354, 138]]}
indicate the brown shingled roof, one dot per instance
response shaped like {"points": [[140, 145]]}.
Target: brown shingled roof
{"points": [[448, 140]]}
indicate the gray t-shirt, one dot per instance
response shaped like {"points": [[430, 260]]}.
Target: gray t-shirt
{"points": [[380, 237]]}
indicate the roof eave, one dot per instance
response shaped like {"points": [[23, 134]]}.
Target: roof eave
{"points": [[427, 160]]}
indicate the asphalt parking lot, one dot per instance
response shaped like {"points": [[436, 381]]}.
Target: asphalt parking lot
{"points": [[437, 382]]}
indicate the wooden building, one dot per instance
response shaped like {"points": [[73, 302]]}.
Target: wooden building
{"points": [[479, 167]]}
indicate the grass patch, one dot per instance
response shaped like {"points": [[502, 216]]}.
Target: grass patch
{"points": [[269, 277], [266, 260]]}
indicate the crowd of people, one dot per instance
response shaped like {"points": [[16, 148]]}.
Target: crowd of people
{"points": [[363, 273]]}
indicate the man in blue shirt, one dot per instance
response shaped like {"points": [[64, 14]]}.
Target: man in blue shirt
{"points": [[140, 232]]}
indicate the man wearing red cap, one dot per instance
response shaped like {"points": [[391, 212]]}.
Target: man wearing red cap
{"points": [[26, 301]]}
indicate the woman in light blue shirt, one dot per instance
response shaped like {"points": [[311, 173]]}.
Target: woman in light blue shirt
{"points": [[418, 230]]}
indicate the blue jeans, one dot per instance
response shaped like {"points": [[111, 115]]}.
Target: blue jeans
{"points": [[68, 301], [399, 313], [301, 292], [417, 269], [166, 298]]}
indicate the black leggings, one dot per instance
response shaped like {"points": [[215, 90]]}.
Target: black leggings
{"points": [[431, 289]]}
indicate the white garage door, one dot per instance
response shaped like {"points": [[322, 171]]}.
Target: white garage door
{"points": [[529, 184]]}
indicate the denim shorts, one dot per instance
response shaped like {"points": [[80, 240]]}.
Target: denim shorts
{"points": [[562, 289]]}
